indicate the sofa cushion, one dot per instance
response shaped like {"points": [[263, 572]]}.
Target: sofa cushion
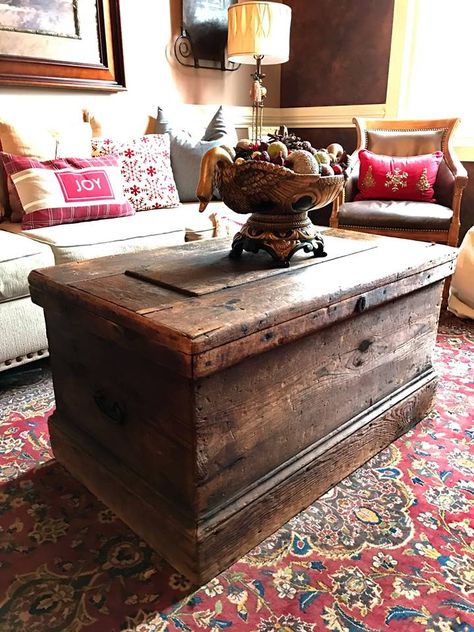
{"points": [[18, 256], [399, 214], [103, 237], [188, 146], [67, 190], [145, 164]]}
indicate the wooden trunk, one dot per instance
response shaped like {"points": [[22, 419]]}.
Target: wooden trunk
{"points": [[208, 400]]}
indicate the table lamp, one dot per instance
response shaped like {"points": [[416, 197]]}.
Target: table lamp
{"points": [[258, 33]]}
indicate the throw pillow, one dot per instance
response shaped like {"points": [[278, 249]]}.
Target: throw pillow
{"points": [[406, 178], [26, 137], [146, 169], [66, 190], [188, 147]]}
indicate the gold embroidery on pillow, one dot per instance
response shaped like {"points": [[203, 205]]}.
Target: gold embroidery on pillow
{"points": [[423, 184], [396, 179], [369, 181]]}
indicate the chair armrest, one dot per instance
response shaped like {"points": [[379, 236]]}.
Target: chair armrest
{"points": [[457, 168], [460, 180], [348, 192], [459, 174], [351, 186]]}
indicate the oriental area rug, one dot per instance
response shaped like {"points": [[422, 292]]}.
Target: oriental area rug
{"points": [[389, 548]]}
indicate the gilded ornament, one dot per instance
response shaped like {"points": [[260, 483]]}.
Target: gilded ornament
{"points": [[423, 184], [396, 179], [369, 181]]}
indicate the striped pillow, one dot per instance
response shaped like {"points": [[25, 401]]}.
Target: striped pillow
{"points": [[67, 190]]}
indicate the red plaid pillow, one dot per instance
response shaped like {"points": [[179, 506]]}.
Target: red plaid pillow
{"points": [[406, 178], [66, 190]]}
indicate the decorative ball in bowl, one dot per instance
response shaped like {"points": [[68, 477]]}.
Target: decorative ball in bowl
{"points": [[277, 185]]}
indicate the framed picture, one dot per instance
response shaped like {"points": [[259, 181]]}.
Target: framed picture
{"points": [[62, 44]]}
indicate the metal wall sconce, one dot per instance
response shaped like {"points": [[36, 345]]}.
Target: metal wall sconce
{"points": [[203, 38]]}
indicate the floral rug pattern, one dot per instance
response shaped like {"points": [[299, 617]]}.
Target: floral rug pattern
{"points": [[389, 548]]}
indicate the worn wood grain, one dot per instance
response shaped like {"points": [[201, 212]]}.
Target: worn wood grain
{"points": [[140, 412], [268, 507], [221, 415], [125, 292], [220, 317], [259, 413], [201, 549], [214, 270], [169, 531], [228, 354], [205, 322]]}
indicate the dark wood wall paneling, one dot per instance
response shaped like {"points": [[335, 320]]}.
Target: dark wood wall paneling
{"points": [[339, 53], [322, 137]]}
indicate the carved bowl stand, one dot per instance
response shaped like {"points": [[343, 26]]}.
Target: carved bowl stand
{"points": [[278, 200]]}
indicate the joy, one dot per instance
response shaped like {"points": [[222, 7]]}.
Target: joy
{"points": [[87, 184]]}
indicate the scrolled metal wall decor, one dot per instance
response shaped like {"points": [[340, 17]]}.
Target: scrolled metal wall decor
{"points": [[203, 38]]}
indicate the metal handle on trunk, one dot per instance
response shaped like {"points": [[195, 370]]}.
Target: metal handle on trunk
{"points": [[114, 411]]}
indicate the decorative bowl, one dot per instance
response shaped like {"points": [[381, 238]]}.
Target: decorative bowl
{"points": [[277, 198]]}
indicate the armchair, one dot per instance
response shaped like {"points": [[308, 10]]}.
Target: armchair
{"points": [[426, 221]]}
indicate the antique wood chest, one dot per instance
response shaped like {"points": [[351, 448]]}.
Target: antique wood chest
{"points": [[208, 400]]}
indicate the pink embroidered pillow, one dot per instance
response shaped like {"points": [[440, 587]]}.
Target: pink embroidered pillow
{"points": [[66, 190], [406, 178], [148, 180]]}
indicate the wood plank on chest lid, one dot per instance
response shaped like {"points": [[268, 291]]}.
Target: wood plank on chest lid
{"points": [[210, 269], [212, 283], [237, 300], [114, 295], [238, 312]]}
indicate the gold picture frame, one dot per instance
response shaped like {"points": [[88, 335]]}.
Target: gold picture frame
{"points": [[62, 48]]}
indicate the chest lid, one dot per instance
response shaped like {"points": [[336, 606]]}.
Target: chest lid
{"points": [[194, 298]]}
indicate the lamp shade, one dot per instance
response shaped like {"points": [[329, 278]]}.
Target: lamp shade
{"points": [[259, 28]]}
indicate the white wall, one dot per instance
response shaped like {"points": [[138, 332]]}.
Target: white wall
{"points": [[153, 76]]}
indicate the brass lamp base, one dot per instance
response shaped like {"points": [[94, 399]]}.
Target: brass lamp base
{"points": [[279, 235]]}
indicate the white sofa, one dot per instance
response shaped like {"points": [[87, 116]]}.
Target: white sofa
{"points": [[22, 329]]}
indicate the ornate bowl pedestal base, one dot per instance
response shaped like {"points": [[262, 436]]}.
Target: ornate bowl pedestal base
{"points": [[279, 235], [277, 198]]}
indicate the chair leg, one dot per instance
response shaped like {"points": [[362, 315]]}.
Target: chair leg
{"points": [[446, 286]]}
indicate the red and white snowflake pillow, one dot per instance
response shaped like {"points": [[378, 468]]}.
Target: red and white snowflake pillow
{"points": [[147, 176]]}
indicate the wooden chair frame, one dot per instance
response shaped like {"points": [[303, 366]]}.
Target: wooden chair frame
{"points": [[449, 237]]}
